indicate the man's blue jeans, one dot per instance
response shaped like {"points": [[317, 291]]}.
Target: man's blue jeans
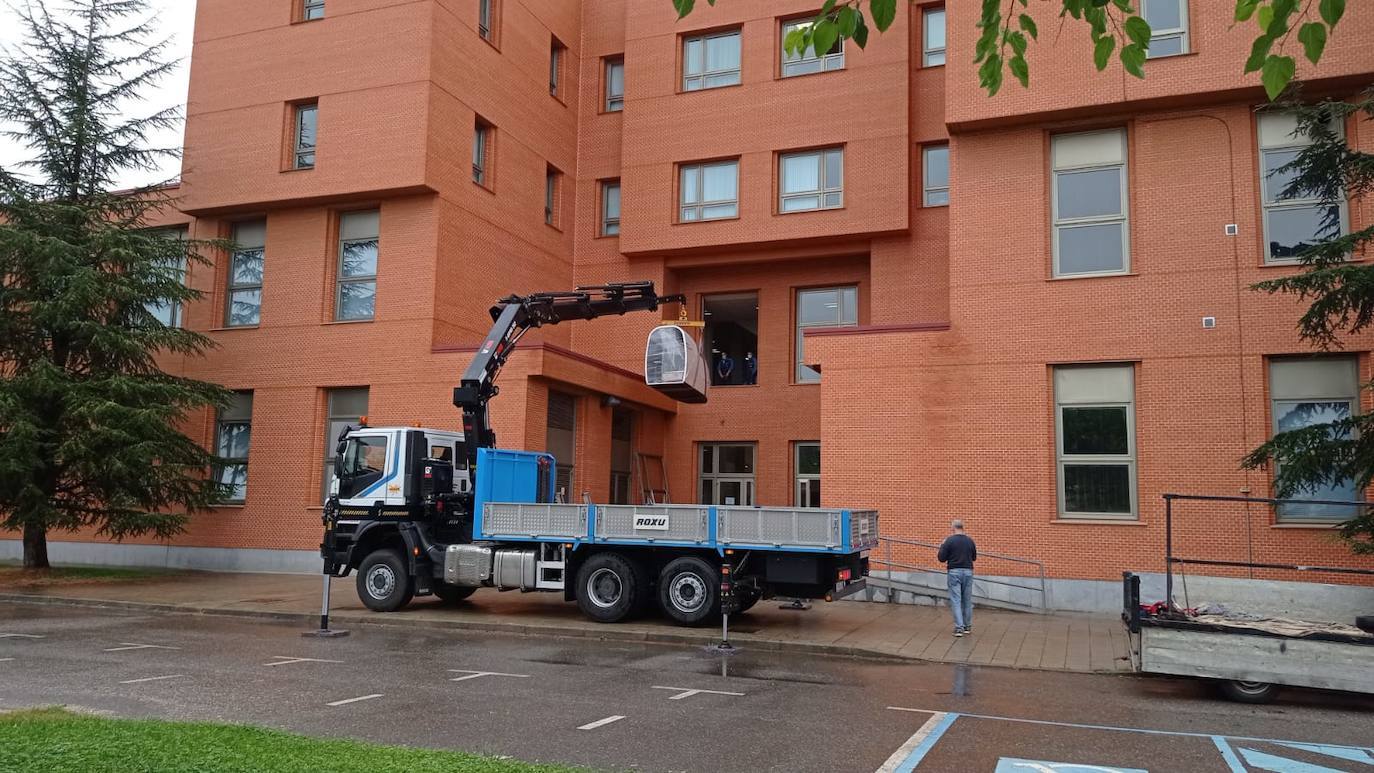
{"points": [[961, 596]]}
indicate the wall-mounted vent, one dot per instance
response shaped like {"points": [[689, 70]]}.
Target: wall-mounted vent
{"points": [[1232, 229], [1209, 322]]}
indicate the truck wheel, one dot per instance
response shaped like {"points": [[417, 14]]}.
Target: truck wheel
{"points": [[384, 582], [1248, 692], [689, 590], [609, 588], [452, 594]]}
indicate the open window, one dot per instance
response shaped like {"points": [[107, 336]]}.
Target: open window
{"points": [[732, 337]]}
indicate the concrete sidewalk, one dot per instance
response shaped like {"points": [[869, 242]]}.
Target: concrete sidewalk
{"points": [[1081, 643]]}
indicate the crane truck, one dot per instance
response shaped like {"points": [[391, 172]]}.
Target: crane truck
{"points": [[417, 511]]}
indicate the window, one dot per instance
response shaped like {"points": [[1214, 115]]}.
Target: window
{"points": [[344, 408], [807, 62], [553, 180], [1306, 391], [732, 337], [807, 465], [312, 9], [710, 61], [1168, 20], [364, 464], [933, 37], [562, 442], [710, 191], [1292, 223], [481, 152], [304, 153], [356, 297], [935, 175], [610, 208], [556, 51], [1095, 422], [615, 85], [243, 306], [486, 20], [233, 427], [1090, 233], [622, 454], [831, 307], [811, 180], [168, 311], [727, 474]]}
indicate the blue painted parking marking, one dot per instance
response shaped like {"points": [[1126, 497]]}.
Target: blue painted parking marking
{"points": [[906, 758], [1012, 765], [1277, 764], [1341, 752]]}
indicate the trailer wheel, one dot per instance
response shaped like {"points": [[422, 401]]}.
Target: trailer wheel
{"points": [[452, 594], [1248, 692], [384, 582], [689, 590], [609, 588]]}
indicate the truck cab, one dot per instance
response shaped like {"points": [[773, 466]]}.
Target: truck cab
{"points": [[373, 465]]}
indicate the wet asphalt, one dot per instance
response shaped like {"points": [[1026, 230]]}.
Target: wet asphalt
{"points": [[529, 697]]}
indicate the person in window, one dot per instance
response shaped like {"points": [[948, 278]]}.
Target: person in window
{"points": [[751, 368], [725, 367]]}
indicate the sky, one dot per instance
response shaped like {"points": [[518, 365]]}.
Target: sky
{"points": [[176, 19]]}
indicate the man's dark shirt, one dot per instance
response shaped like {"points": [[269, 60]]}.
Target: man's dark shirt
{"points": [[958, 552]]}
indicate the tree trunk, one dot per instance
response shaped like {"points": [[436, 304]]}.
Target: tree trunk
{"points": [[35, 547]]}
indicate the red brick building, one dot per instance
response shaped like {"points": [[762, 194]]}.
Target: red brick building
{"points": [[1031, 310]]}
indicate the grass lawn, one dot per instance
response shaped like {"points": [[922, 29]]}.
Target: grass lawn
{"points": [[15, 576], [58, 741]]}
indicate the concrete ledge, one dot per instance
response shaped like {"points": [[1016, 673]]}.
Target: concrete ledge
{"points": [[172, 557]]}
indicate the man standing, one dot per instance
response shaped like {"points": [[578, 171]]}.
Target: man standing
{"points": [[958, 554]]}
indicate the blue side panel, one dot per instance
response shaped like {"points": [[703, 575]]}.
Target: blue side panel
{"points": [[846, 533], [508, 476]]}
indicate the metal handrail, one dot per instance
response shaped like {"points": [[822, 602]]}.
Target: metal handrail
{"points": [[919, 543], [890, 564]]}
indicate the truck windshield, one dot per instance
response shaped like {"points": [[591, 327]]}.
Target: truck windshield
{"points": [[363, 464]]}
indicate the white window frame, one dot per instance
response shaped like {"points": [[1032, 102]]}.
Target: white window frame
{"points": [[1061, 224], [1285, 513], [696, 81], [748, 481], [808, 62], [1271, 204], [801, 373], [312, 10], [828, 189], [700, 206], [802, 482], [610, 225], [927, 190], [232, 287], [1127, 460], [932, 56], [340, 280], [222, 423], [615, 101], [1165, 33], [300, 150]]}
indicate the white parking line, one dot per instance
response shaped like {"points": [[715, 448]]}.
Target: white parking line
{"points": [[601, 722], [475, 674], [286, 661], [5, 660], [124, 645], [687, 692], [20, 636], [910, 754], [152, 678], [354, 700]]}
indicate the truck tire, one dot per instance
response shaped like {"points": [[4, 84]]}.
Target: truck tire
{"points": [[1248, 692], [452, 594], [1365, 623], [384, 581], [689, 590], [609, 588]]}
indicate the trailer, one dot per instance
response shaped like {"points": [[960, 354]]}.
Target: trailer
{"points": [[1249, 662], [418, 511]]}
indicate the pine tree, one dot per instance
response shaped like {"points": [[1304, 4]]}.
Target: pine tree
{"points": [[90, 426], [1341, 294]]}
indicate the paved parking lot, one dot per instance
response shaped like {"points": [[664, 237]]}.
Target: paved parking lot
{"points": [[643, 706]]}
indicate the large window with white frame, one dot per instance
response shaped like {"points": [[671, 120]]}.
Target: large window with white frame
{"points": [[806, 466], [1168, 20], [1091, 234], [312, 9], [825, 307], [355, 296], [1293, 221], [1095, 440], [812, 179], [808, 61], [233, 428], [935, 175], [1308, 391], [610, 208], [711, 61], [482, 156], [933, 37], [615, 84], [709, 191], [243, 299], [168, 311], [305, 135], [727, 474]]}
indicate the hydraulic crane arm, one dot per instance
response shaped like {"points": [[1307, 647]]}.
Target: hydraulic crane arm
{"points": [[517, 314]]}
